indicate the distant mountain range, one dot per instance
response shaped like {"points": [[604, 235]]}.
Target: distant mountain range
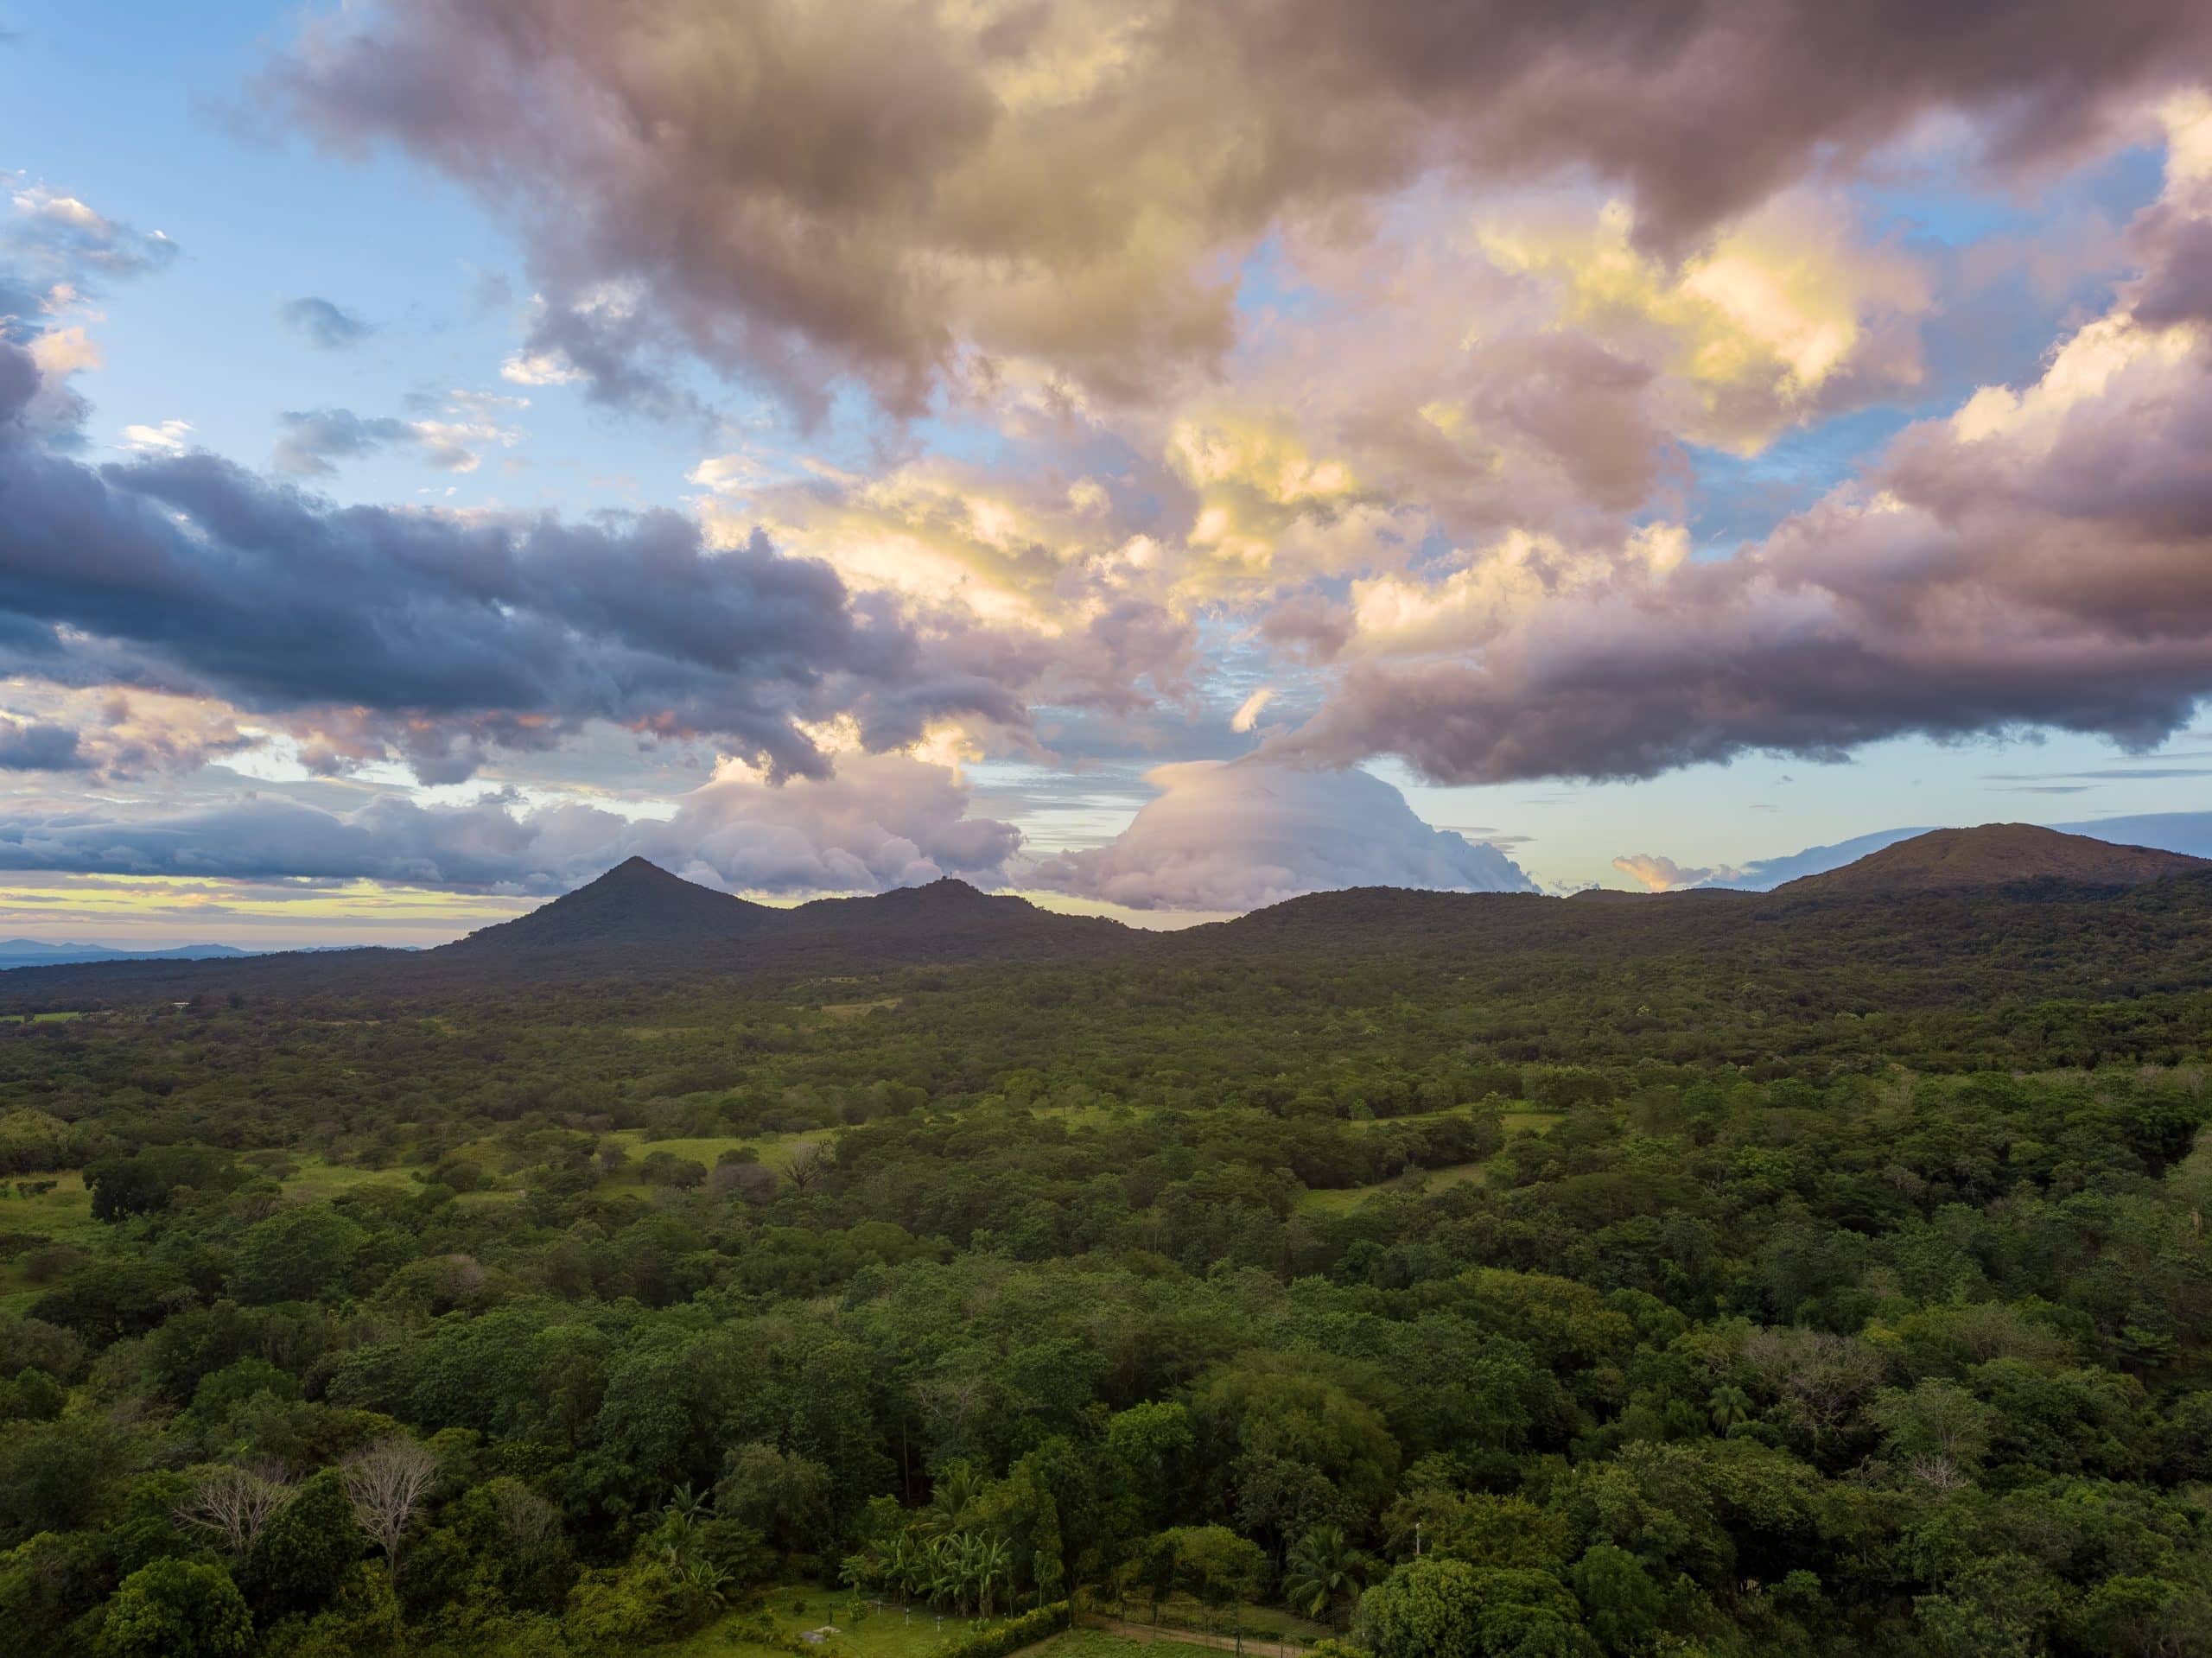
{"points": [[640, 925], [37, 952]]}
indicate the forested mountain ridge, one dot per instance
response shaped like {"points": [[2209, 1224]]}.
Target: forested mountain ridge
{"points": [[640, 923]]}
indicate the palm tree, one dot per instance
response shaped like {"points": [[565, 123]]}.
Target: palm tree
{"points": [[1729, 1405], [953, 1502], [1323, 1572]]}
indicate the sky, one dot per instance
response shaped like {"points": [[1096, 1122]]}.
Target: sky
{"points": [[1158, 457]]}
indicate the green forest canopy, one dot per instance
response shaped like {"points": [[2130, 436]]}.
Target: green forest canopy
{"points": [[1827, 1287]]}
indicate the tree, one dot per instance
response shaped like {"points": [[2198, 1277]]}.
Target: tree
{"points": [[1729, 1407], [1624, 1608], [1937, 1429], [235, 1504], [301, 1252], [1434, 1608], [808, 1162], [303, 1553], [1324, 1572], [386, 1485], [177, 1609]]}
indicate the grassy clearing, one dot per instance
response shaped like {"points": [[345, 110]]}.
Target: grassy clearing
{"points": [[874, 1633], [775, 1152], [1346, 1199], [1098, 1643], [51, 1019], [64, 1215], [317, 1178], [845, 1010]]}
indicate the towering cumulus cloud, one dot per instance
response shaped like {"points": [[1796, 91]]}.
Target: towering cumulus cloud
{"points": [[1238, 833]]}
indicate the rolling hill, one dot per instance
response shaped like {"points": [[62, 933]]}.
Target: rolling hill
{"points": [[1995, 854]]}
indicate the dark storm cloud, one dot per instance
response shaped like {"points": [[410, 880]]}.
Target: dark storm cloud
{"points": [[324, 324], [31, 746], [187, 573], [871, 188]]}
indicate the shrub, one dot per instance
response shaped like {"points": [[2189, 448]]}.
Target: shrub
{"points": [[1000, 1639]]}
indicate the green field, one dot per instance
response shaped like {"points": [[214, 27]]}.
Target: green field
{"points": [[1343, 1200], [776, 1151], [1098, 1643], [887, 1632]]}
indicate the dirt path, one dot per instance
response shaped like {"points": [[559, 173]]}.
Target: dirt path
{"points": [[1147, 1634]]}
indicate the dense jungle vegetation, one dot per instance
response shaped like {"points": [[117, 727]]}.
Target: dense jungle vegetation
{"points": [[1739, 1298]]}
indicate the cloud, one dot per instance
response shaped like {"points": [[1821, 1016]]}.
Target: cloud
{"points": [[26, 745], [432, 634], [1248, 711], [880, 822], [1656, 874], [906, 195], [60, 241], [314, 439], [324, 324], [1237, 834], [2039, 558], [162, 437], [56, 253], [1781, 316]]}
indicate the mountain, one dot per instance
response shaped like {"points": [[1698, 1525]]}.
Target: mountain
{"points": [[635, 904], [639, 928], [1995, 854], [1765, 874], [2189, 832], [38, 952], [638, 910]]}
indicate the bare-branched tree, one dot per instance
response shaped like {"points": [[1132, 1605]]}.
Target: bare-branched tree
{"points": [[808, 1162], [235, 1504], [386, 1485]]}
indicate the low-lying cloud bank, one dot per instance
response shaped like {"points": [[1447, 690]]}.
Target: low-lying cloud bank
{"points": [[1237, 834], [1221, 836], [882, 820]]}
